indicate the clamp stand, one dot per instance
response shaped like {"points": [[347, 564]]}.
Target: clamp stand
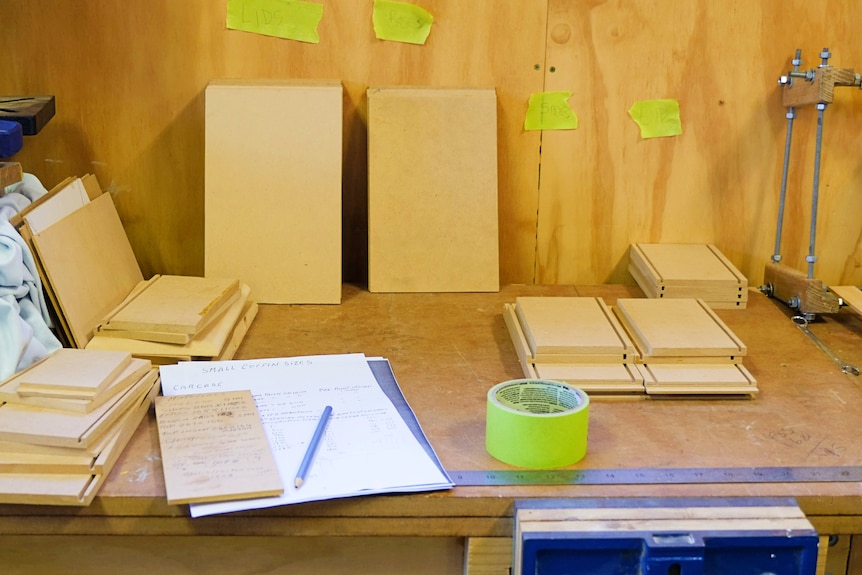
{"points": [[804, 293]]}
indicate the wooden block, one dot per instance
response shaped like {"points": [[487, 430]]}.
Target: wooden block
{"points": [[677, 328], [209, 344], [572, 326], [214, 448], [787, 284], [169, 306], [432, 190], [72, 374], [273, 188], [10, 173], [697, 379], [89, 263], [28, 424], [819, 91], [134, 371]]}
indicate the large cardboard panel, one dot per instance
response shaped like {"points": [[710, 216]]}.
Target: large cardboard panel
{"points": [[432, 190], [273, 188]]}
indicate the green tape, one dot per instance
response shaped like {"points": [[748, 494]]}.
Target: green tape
{"points": [[537, 423]]}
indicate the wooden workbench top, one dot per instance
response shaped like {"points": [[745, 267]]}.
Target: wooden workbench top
{"points": [[447, 350]]}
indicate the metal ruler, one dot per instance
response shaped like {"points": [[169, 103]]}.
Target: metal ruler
{"points": [[650, 476]]}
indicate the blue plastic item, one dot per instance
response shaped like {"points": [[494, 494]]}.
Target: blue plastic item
{"points": [[711, 549], [11, 138]]}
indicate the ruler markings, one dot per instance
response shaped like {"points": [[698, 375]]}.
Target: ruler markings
{"points": [[653, 476]]}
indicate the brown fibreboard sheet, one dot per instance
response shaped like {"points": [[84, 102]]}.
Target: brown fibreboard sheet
{"points": [[432, 190], [272, 205]]}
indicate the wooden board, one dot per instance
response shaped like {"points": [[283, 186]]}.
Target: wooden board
{"points": [[594, 378], [171, 306], [214, 448], [572, 326], [273, 188], [697, 379], [688, 271], [63, 202], [71, 489], [72, 374], [688, 265], [67, 460], [101, 273], [209, 343], [432, 190], [132, 372], [28, 424], [851, 296], [677, 328]]}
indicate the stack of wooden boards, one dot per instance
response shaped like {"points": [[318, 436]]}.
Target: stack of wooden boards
{"points": [[697, 271], [89, 273], [66, 419], [644, 346]]}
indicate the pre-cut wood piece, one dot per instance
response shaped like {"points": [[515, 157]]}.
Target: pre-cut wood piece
{"points": [[697, 379], [572, 326], [72, 374], [214, 448], [209, 344], [595, 378], [89, 263], [688, 271], [134, 371], [432, 190], [168, 305], [42, 426], [677, 328], [272, 205]]}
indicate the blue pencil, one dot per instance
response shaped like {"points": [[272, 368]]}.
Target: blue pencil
{"points": [[312, 446]]}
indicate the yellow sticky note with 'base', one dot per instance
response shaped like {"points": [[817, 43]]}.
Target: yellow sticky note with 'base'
{"points": [[401, 22]]}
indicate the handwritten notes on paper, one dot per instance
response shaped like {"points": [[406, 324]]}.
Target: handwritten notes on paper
{"points": [[657, 118], [214, 448], [550, 111], [368, 446], [290, 19], [401, 22]]}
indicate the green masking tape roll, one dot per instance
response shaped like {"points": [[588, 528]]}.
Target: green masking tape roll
{"points": [[537, 423]]}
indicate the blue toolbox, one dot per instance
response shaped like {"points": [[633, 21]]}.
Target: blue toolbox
{"points": [[673, 536]]}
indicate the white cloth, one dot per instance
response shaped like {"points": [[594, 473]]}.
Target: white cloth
{"points": [[25, 334]]}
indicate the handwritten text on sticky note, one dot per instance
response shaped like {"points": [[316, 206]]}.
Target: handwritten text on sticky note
{"points": [[290, 19], [550, 111], [401, 22], [657, 118]]}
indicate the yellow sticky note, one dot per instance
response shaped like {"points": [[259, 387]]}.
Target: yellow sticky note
{"points": [[290, 19], [550, 111], [657, 118], [401, 22]]}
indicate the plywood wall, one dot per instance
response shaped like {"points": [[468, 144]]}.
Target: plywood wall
{"points": [[129, 79]]}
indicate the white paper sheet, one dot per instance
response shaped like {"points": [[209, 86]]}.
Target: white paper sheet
{"points": [[367, 447]]}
